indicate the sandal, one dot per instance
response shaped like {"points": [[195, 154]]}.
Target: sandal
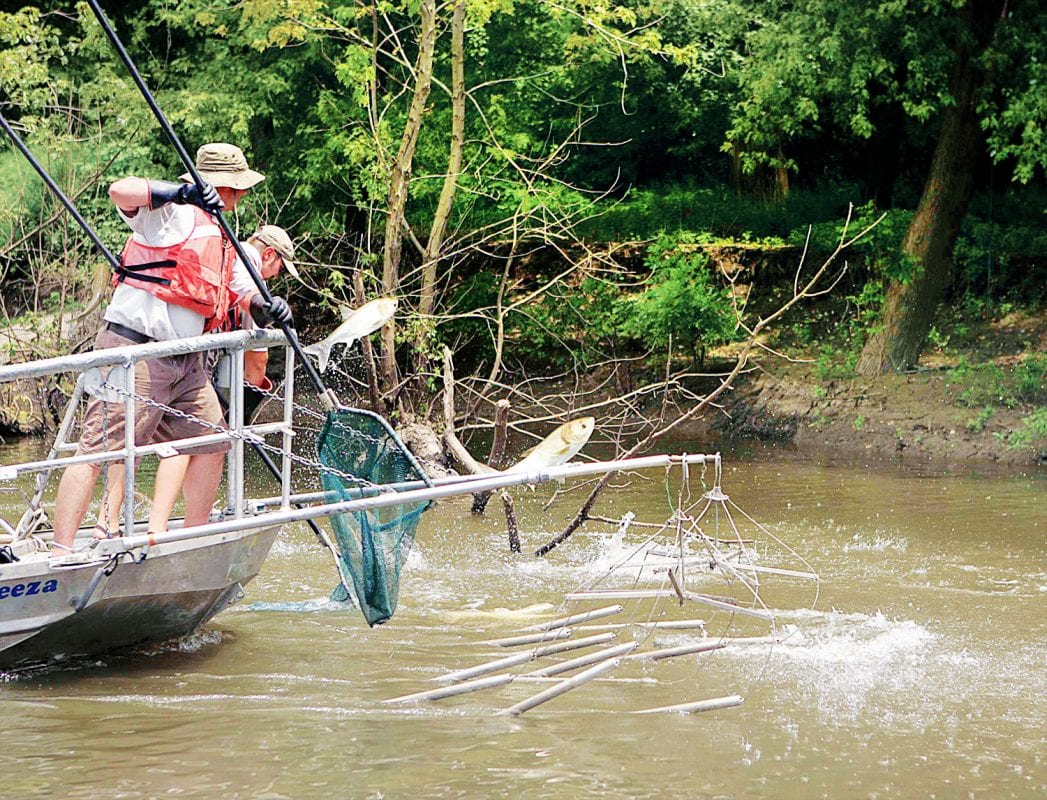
{"points": [[102, 533]]}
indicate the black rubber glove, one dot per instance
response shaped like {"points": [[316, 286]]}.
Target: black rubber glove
{"points": [[162, 192], [265, 314]]}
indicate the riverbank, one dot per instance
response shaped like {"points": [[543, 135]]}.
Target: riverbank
{"points": [[980, 397], [891, 416]]}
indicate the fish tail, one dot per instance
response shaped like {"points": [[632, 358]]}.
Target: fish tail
{"points": [[321, 351]]}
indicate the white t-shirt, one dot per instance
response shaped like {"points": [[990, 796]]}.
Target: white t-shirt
{"points": [[243, 285], [141, 311]]}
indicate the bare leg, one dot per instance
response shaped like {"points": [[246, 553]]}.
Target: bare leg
{"points": [[109, 513], [74, 496], [170, 475], [202, 478]]}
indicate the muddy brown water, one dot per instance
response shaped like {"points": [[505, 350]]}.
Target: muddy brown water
{"points": [[919, 672]]}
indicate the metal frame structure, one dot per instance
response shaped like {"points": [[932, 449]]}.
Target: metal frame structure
{"points": [[121, 361]]}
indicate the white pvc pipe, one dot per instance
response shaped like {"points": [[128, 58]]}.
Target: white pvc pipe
{"points": [[455, 689], [682, 650], [488, 666], [583, 661], [573, 644], [563, 622], [699, 705], [560, 688], [531, 638]]}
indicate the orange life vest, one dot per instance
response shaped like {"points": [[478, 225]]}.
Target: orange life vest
{"points": [[193, 274]]}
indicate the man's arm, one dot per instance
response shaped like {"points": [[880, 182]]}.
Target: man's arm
{"points": [[131, 194]]}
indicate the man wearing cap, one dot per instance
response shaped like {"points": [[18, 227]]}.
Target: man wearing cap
{"points": [[275, 251], [176, 281]]}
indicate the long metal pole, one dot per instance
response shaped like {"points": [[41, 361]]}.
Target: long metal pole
{"points": [[140, 352], [327, 396], [641, 462]]}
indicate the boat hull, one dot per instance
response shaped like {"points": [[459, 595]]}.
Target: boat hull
{"points": [[52, 614]]}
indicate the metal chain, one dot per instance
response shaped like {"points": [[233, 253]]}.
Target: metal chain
{"points": [[272, 395], [246, 437]]}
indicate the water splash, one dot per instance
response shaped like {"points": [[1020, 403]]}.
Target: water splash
{"points": [[876, 542], [313, 605]]}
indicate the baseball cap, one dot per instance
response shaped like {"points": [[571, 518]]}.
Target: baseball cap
{"points": [[276, 237]]}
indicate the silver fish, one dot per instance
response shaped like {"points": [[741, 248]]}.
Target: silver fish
{"points": [[560, 446], [358, 323]]}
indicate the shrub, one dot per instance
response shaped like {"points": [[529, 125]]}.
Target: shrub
{"points": [[1032, 434], [682, 303], [990, 385]]}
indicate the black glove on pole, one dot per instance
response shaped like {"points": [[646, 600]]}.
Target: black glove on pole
{"points": [[327, 396], [162, 192], [265, 314]]}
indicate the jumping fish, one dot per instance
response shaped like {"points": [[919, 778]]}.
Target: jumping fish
{"points": [[358, 323], [560, 446]]}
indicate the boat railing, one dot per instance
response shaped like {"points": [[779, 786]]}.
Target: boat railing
{"points": [[110, 375]]}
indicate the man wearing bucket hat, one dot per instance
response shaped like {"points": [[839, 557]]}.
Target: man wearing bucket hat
{"points": [[176, 281]]}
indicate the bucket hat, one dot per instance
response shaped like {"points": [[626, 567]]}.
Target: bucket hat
{"points": [[222, 164]]}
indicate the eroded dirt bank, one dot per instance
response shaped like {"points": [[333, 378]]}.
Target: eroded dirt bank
{"points": [[911, 415]]}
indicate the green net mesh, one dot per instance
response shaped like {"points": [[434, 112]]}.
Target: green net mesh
{"points": [[363, 453]]}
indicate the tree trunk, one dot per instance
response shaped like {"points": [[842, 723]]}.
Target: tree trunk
{"points": [[454, 161], [423, 362], [400, 179], [910, 307]]}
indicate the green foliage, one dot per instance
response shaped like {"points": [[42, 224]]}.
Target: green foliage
{"points": [[991, 385], [977, 424], [319, 106], [687, 206], [818, 66], [579, 324], [835, 364], [682, 305], [1033, 433], [29, 48], [1014, 115], [880, 249], [1001, 245], [468, 331]]}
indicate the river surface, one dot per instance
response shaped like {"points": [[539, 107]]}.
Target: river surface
{"points": [[920, 671]]}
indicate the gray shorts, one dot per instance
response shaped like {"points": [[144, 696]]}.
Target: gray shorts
{"points": [[178, 382]]}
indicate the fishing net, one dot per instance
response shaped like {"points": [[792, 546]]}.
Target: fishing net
{"points": [[363, 454]]}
